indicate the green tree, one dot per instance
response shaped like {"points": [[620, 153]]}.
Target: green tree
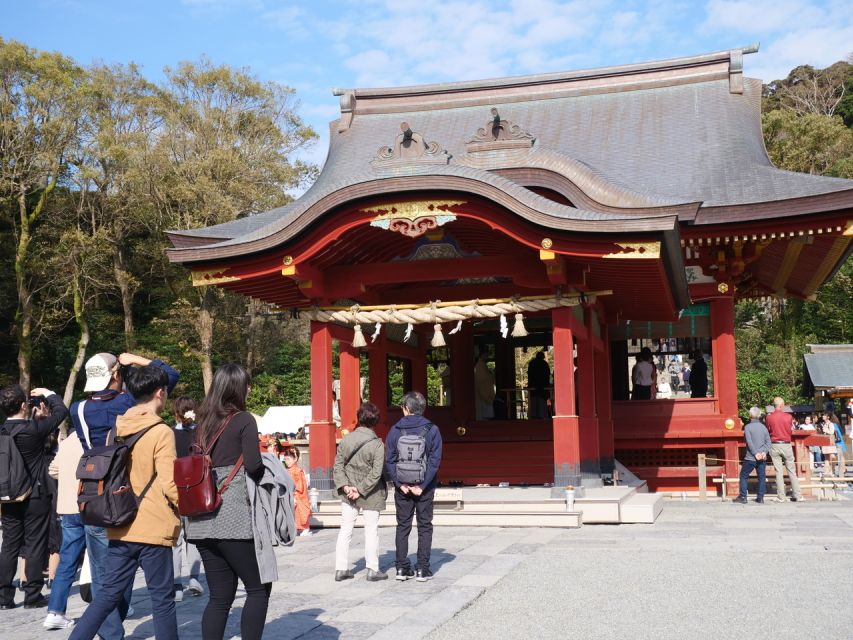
{"points": [[809, 143], [39, 116], [224, 152]]}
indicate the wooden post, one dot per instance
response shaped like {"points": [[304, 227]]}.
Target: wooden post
{"points": [[322, 446], [603, 400], [377, 367], [567, 455], [350, 368], [418, 369], [587, 410], [723, 355], [462, 374], [703, 477]]}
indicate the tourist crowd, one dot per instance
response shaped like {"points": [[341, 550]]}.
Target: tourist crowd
{"points": [[771, 434], [125, 491]]}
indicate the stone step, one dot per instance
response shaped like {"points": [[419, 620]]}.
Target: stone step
{"points": [[470, 518], [642, 508], [507, 507], [604, 505]]}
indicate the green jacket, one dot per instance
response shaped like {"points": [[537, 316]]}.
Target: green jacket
{"points": [[364, 470]]}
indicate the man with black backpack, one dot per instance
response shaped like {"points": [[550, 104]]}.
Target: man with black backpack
{"points": [[24, 494], [93, 419], [143, 530], [413, 457]]}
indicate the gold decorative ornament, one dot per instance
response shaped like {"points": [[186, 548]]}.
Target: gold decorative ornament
{"points": [[730, 424], [635, 251], [461, 431], [723, 287], [211, 276], [413, 218], [288, 260], [547, 243]]}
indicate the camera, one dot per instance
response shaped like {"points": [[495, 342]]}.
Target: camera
{"points": [[36, 401]]}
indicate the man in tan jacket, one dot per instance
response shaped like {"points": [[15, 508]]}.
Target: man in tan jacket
{"points": [[148, 540]]}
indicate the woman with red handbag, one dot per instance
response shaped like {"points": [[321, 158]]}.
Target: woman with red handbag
{"points": [[224, 537]]}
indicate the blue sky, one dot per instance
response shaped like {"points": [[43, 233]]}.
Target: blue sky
{"points": [[315, 46]]}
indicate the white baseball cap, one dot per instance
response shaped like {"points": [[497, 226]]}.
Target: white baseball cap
{"points": [[99, 371]]}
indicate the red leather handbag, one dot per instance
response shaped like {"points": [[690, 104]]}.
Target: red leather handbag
{"points": [[197, 492]]}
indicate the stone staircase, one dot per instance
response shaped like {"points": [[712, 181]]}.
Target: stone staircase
{"points": [[522, 507]]}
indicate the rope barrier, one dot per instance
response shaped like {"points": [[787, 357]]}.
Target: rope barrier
{"points": [[439, 312]]}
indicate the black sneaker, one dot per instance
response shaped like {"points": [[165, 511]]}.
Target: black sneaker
{"points": [[40, 602], [376, 576], [740, 500], [422, 575], [405, 574], [759, 501]]}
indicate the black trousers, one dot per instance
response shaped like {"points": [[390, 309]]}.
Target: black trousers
{"points": [[25, 525], [224, 562], [407, 506]]}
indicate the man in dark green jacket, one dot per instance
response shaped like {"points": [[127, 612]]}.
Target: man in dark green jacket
{"points": [[360, 483]]}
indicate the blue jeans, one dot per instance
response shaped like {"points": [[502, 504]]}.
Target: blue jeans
{"points": [[746, 469], [73, 542], [122, 562], [97, 544]]}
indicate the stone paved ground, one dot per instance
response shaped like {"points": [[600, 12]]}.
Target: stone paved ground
{"points": [[703, 571]]}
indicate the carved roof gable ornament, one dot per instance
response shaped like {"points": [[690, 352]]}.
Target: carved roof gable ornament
{"points": [[410, 148], [499, 134]]}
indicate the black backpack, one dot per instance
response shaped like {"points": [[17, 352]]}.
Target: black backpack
{"points": [[105, 496], [16, 484]]}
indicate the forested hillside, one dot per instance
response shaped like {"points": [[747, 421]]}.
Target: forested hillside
{"points": [[808, 127]]}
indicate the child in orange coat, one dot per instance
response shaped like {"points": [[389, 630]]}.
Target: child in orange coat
{"points": [[300, 493]]}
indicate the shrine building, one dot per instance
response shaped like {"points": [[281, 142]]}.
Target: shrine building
{"points": [[588, 214]]}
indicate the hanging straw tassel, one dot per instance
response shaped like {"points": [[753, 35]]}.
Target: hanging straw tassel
{"points": [[376, 331], [409, 329], [518, 329], [438, 337], [358, 337]]}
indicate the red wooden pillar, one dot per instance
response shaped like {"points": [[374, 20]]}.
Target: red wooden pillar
{"points": [[407, 374], [587, 411], [462, 374], [505, 374], [567, 454], [377, 364], [350, 385], [419, 372], [322, 446], [724, 363], [723, 354], [603, 399]]}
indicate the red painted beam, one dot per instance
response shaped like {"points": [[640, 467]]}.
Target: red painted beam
{"points": [[436, 270]]}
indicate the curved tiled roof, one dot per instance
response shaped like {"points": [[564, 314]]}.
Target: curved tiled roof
{"points": [[636, 137]]}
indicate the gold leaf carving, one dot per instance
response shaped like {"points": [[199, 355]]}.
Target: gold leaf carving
{"points": [[636, 251], [412, 210], [211, 277]]}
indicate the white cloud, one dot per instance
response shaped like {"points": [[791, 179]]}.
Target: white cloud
{"points": [[286, 18], [765, 16], [819, 47]]}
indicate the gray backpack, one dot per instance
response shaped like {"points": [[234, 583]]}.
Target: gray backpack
{"points": [[411, 457]]}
